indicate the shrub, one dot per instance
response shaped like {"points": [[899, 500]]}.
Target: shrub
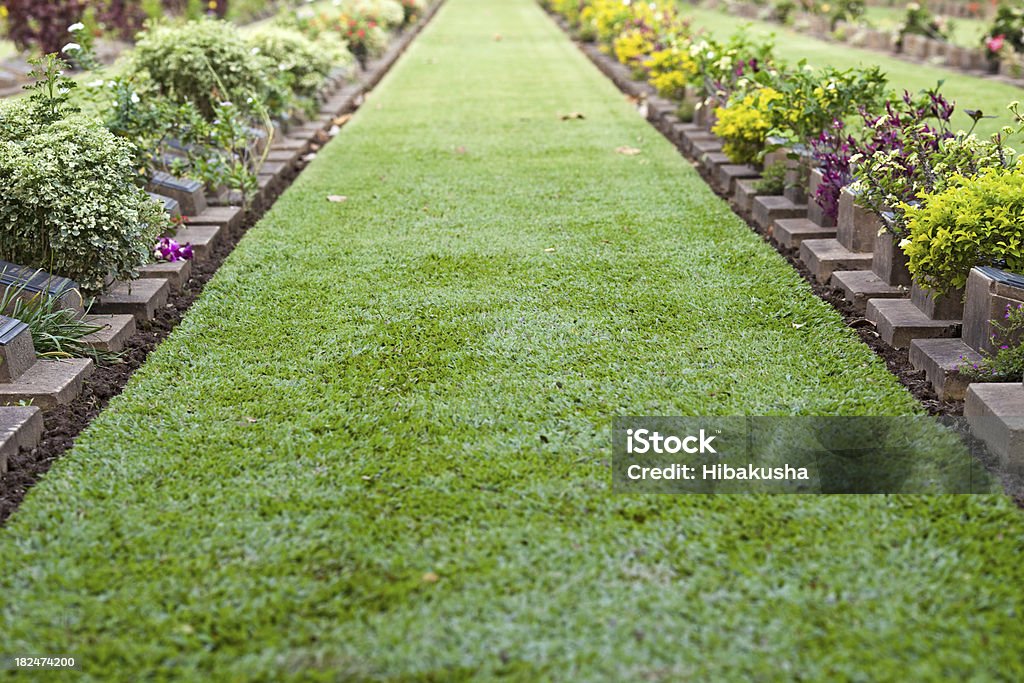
{"points": [[744, 125], [912, 153], [206, 62], [1006, 31], [919, 21], [670, 71], [70, 203], [972, 222], [302, 64]]}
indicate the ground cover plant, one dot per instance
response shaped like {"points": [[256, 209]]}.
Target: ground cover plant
{"points": [[413, 468]]}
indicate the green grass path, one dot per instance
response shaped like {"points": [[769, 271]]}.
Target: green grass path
{"points": [[418, 383]]}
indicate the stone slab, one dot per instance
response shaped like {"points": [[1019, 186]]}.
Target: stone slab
{"points": [[171, 206], [140, 298], [765, 210], [899, 322], [228, 217], [940, 359], [826, 256], [743, 196], [996, 415], [190, 194], [203, 238], [725, 175], [20, 427], [48, 383], [17, 352], [948, 306], [790, 232], [702, 146], [35, 281], [176, 273], [860, 286], [117, 330]]}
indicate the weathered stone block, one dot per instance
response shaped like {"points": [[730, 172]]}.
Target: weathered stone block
{"points": [[17, 353]]}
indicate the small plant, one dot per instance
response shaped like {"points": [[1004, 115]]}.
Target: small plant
{"points": [[57, 332], [772, 181], [919, 21], [1006, 363], [300, 63]]}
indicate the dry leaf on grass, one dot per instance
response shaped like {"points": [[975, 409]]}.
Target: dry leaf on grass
{"points": [[549, 250], [337, 198], [431, 577], [460, 150], [342, 120], [573, 115], [627, 150], [497, 37]]}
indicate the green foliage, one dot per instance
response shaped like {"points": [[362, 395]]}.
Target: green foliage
{"points": [[70, 204], [1006, 363], [920, 21], [302, 64], [890, 180], [972, 222], [772, 180], [207, 62], [178, 139]]}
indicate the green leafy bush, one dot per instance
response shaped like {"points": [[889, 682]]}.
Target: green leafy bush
{"points": [[301, 63], [207, 62], [70, 203], [972, 222]]}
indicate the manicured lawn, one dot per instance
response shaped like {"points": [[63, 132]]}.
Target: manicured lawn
{"points": [[377, 447], [969, 92]]}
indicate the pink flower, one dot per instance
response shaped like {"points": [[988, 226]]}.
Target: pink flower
{"points": [[995, 43]]}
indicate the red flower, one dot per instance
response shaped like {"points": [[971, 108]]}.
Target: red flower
{"points": [[361, 33]]}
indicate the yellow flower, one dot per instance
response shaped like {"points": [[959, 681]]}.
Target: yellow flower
{"points": [[3, 11]]}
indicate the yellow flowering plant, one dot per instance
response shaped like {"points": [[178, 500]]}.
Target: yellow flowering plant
{"points": [[746, 122], [670, 70]]}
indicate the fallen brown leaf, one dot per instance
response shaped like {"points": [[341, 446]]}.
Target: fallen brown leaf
{"points": [[627, 150], [460, 150], [337, 198], [431, 577], [342, 120], [573, 115], [497, 37]]}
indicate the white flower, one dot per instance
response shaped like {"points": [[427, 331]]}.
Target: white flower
{"points": [[255, 51], [135, 98], [905, 242], [71, 47], [96, 84], [74, 28], [226, 104]]}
